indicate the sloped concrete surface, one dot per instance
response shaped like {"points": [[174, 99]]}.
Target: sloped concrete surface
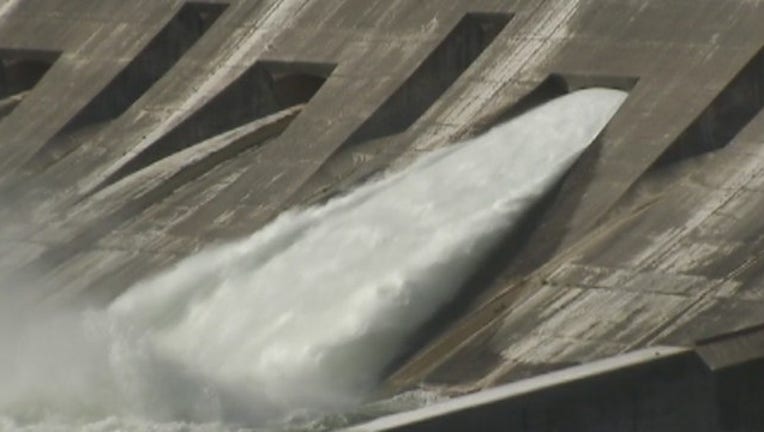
{"points": [[653, 238]]}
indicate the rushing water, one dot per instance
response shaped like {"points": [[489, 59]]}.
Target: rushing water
{"points": [[298, 320]]}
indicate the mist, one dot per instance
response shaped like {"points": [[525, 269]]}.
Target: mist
{"points": [[304, 315]]}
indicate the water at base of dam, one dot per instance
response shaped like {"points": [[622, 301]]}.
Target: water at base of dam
{"points": [[295, 324]]}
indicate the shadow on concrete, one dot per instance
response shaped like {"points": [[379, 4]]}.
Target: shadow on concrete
{"points": [[460, 48], [264, 89], [732, 109], [191, 22], [20, 71]]}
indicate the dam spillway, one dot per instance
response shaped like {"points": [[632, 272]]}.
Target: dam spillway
{"points": [[306, 313], [117, 163]]}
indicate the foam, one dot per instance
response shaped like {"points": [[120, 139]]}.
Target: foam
{"points": [[305, 314]]}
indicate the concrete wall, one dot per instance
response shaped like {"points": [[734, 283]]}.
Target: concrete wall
{"points": [[669, 394], [660, 389], [653, 238]]}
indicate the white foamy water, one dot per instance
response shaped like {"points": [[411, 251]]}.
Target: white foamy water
{"points": [[303, 316]]}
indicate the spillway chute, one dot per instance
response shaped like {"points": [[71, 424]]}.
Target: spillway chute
{"points": [[306, 314]]}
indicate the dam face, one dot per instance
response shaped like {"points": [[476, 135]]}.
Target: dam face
{"points": [[133, 134]]}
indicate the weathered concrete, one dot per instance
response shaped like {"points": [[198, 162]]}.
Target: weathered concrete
{"points": [[653, 238], [657, 389]]}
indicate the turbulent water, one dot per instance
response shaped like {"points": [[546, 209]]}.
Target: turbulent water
{"points": [[298, 320]]}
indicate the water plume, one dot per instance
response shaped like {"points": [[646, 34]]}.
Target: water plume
{"points": [[305, 314]]}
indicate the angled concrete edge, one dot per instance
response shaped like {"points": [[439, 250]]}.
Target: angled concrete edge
{"points": [[418, 419]]}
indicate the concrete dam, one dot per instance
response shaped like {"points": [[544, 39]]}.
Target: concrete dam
{"points": [[382, 215]]}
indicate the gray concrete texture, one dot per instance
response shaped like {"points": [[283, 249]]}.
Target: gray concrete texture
{"points": [[655, 390], [134, 133]]}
